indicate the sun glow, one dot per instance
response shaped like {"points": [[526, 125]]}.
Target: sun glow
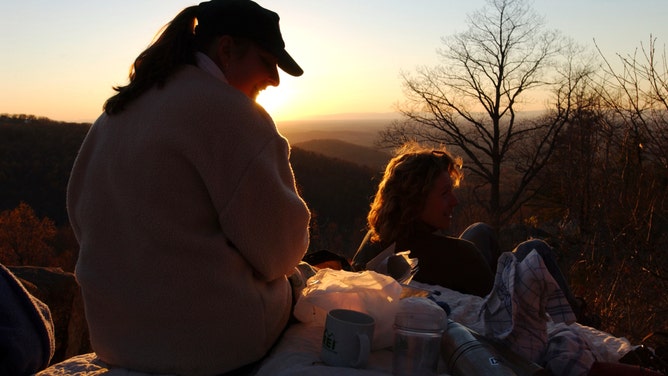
{"points": [[275, 101]]}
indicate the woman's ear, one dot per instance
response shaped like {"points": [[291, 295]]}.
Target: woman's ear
{"points": [[222, 51]]}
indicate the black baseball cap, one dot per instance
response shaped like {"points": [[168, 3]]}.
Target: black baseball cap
{"points": [[245, 18]]}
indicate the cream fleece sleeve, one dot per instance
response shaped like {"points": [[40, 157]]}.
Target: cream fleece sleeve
{"points": [[266, 219]]}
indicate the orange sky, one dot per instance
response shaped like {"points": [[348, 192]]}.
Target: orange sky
{"points": [[59, 59]]}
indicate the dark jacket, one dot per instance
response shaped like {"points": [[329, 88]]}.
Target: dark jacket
{"points": [[442, 260]]}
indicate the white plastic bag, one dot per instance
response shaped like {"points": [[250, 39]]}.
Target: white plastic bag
{"points": [[369, 292]]}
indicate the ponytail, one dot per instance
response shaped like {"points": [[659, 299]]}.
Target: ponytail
{"points": [[174, 47]]}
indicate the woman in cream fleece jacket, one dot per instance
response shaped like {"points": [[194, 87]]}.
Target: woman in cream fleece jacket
{"points": [[184, 203]]}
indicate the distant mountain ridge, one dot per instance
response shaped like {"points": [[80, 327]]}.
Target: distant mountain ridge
{"points": [[356, 131], [335, 148]]}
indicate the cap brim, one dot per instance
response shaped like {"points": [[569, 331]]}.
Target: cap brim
{"points": [[288, 64]]}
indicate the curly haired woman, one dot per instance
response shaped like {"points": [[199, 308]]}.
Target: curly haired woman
{"points": [[413, 208]]}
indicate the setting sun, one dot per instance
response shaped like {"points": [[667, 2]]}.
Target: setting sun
{"points": [[271, 100], [274, 100], [287, 102]]}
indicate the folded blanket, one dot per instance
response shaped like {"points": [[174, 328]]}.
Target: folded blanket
{"points": [[524, 299], [523, 310]]}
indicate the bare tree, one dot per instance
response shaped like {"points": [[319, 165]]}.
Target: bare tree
{"points": [[607, 184], [638, 94], [471, 101]]}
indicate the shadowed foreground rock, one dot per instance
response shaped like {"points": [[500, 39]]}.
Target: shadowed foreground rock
{"points": [[59, 290]]}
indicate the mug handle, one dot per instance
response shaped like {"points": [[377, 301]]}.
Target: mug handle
{"points": [[365, 348]]}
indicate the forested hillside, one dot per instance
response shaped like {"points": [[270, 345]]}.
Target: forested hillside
{"points": [[339, 194], [36, 155]]}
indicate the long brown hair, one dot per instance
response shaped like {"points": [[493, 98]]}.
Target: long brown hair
{"points": [[174, 47], [401, 194]]}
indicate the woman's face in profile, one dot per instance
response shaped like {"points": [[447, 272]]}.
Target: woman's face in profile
{"points": [[253, 71], [440, 203]]}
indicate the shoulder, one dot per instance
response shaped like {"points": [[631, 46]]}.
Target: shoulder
{"points": [[198, 89], [204, 99]]}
